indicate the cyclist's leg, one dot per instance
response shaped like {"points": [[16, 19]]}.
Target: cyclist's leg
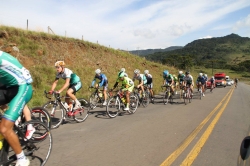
{"points": [[22, 97], [105, 87], [71, 93]]}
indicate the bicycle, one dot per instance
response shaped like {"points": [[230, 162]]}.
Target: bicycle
{"points": [[37, 148], [181, 91], [143, 99], [200, 90], [187, 95], [212, 87], [117, 103], [167, 95], [58, 110], [146, 89], [97, 97]]}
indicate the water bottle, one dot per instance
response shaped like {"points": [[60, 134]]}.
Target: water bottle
{"points": [[66, 105], [100, 94], [1, 141], [123, 99]]}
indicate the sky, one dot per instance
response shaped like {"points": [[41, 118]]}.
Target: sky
{"points": [[131, 24]]}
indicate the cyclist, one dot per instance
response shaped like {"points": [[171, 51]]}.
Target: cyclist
{"points": [[206, 79], [236, 81], [200, 83], [142, 80], [103, 82], [188, 81], [16, 91], [123, 70], [149, 83], [168, 80], [127, 87], [212, 80], [175, 82], [72, 82], [181, 78]]}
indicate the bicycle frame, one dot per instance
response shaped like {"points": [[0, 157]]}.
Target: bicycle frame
{"points": [[167, 96]]}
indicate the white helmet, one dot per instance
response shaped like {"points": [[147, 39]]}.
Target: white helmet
{"points": [[97, 71], [205, 75], [180, 72], [212, 76], [122, 69], [146, 72], [136, 71], [200, 74]]}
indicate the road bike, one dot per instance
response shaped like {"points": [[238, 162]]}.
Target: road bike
{"points": [[146, 89], [117, 103], [187, 95], [200, 90], [96, 98], [59, 110], [212, 87], [143, 98], [37, 148], [167, 94]]}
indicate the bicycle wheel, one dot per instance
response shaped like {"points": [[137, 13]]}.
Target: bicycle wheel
{"points": [[81, 115], [38, 148], [41, 114], [113, 107], [56, 113], [166, 97], [189, 96], [133, 105], [185, 98], [93, 100], [145, 100]]}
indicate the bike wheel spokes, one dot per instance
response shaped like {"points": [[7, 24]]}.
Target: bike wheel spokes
{"points": [[38, 148], [41, 114], [81, 115], [166, 97], [133, 105], [93, 100], [56, 114], [113, 107], [145, 100]]}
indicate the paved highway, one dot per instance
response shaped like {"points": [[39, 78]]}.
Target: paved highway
{"points": [[203, 133]]}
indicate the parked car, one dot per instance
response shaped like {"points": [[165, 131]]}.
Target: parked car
{"points": [[229, 82]]}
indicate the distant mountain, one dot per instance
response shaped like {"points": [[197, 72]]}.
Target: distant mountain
{"points": [[152, 51], [228, 50]]}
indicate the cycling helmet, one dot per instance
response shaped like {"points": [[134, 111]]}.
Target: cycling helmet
{"points": [[59, 63], [97, 71], [174, 75], [136, 71], [165, 72], [122, 69], [180, 72], [212, 76], [146, 72], [205, 75], [187, 72], [200, 74], [121, 74]]}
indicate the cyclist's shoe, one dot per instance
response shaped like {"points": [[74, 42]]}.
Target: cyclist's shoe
{"points": [[77, 106], [24, 162], [104, 103], [176, 92], [203, 94], [143, 95], [30, 131], [126, 109]]}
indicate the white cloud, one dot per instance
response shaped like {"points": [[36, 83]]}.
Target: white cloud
{"points": [[121, 24], [206, 37], [243, 23]]}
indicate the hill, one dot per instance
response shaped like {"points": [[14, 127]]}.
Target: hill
{"points": [[224, 51], [152, 51], [38, 52]]}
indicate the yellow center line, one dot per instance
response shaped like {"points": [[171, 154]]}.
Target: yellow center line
{"points": [[191, 136], [198, 146]]}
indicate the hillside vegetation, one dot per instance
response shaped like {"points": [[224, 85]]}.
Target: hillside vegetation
{"points": [[228, 52], [38, 52]]}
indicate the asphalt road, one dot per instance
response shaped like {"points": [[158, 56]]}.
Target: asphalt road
{"points": [[202, 133]]}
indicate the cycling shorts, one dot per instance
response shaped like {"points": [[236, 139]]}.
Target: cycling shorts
{"points": [[16, 97], [76, 87], [150, 86]]}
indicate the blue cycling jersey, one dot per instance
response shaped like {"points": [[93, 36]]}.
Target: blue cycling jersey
{"points": [[201, 79], [103, 80]]}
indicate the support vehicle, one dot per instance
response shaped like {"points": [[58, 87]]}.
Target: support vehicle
{"points": [[220, 79]]}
